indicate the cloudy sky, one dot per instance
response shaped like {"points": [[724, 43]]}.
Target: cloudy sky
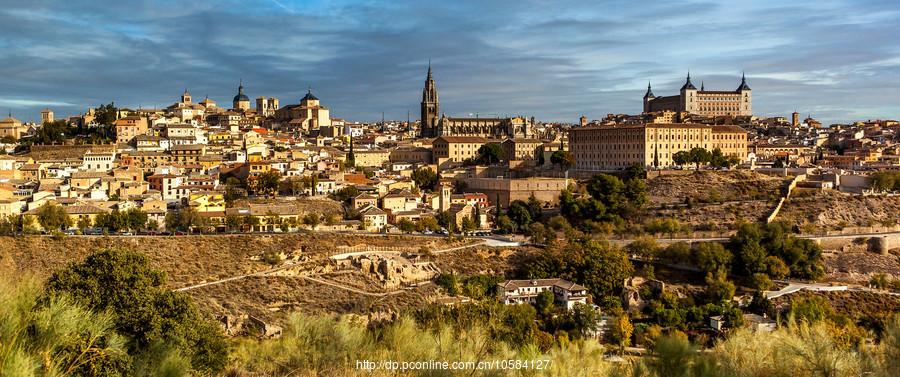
{"points": [[555, 60]]}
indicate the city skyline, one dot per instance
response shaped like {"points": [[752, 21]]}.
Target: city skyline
{"points": [[835, 60]]}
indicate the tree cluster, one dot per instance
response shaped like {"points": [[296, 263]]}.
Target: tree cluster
{"points": [[610, 199], [600, 266], [701, 156], [132, 219], [886, 181]]}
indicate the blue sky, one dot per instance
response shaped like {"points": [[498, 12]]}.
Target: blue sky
{"points": [[555, 60]]}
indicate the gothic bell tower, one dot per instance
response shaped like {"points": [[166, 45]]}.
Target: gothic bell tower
{"points": [[430, 107]]}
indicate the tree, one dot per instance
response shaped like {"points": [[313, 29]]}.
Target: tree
{"points": [[266, 183], [886, 180], [83, 223], [520, 214], [251, 222], [681, 158], [667, 225], [345, 195], [406, 225], [564, 159], [644, 247], [135, 219], [599, 266], [544, 303], [490, 153], [712, 256], [718, 288], [621, 330], [699, 155], [429, 223], [425, 178], [233, 190], [609, 190], [232, 222], [53, 217], [153, 317], [312, 219]]}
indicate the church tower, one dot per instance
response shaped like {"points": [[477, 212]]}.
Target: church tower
{"points": [[430, 107], [186, 97]]}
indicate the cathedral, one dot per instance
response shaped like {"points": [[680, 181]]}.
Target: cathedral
{"points": [[713, 103], [433, 125]]}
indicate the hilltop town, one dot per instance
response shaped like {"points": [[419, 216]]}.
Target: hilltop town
{"points": [[692, 219]]}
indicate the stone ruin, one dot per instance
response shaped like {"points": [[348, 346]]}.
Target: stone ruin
{"points": [[243, 324], [391, 271], [631, 293]]}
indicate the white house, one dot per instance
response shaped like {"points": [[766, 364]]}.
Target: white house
{"points": [[566, 293]]}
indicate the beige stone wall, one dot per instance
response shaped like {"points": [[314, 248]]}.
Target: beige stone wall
{"points": [[371, 158], [508, 190]]}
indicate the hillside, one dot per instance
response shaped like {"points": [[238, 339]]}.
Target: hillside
{"points": [[713, 201], [828, 210], [190, 260]]}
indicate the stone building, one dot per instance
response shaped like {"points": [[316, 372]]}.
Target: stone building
{"points": [[713, 103], [129, 127], [12, 127], [433, 125], [502, 191], [308, 115], [522, 149], [650, 145], [495, 128], [456, 148]]}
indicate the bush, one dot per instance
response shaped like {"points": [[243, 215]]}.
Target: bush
{"points": [[153, 317]]}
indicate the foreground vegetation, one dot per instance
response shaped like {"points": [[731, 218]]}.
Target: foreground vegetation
{"points": [[325, 346]]}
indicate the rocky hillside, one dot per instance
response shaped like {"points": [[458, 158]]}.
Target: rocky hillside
{"points": [[828, 210], [713, 186]]}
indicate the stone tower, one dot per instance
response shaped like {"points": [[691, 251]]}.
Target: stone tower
{"points": [[430, 107], [746, 107], [647, 98], [689, 98], [47, 116], [186, 97], [444, 198]]}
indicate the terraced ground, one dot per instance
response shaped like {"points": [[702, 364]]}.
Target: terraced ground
{"points": [[713, 201], [831, 210]]}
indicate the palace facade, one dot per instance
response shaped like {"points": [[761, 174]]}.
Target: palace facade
{"points": [[704, 102]]}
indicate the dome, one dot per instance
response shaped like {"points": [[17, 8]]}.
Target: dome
{"points": [[309, 96], [240, 97]]}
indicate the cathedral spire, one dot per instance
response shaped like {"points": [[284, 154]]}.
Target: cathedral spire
{"points": [[430, 106], [702, 86]]}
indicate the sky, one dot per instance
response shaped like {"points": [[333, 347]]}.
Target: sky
{"points": [[555, 60]]}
